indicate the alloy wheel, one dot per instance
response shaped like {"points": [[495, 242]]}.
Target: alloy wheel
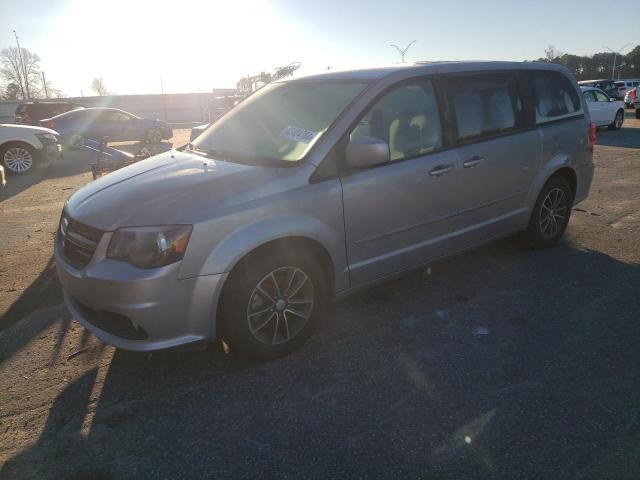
{"points": [[619, 120], [18, 159], [553, 212], [280, 305]]}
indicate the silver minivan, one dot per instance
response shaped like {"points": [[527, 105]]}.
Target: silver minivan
{"points": [[315, 187]]}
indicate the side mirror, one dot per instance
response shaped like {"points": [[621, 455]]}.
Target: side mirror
{"points": [[363, 152], [611, 99]]}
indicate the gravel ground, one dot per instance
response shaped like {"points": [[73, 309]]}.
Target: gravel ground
{"points": [[501, 363]]}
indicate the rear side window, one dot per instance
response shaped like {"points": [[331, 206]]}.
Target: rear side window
{"points": [[554, 96], [485, 105]]}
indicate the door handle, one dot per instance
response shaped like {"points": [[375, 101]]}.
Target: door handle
{"points": [[441, 170], [472, 162]]}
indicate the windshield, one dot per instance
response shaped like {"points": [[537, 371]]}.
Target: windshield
{"points": [[279, 122]]}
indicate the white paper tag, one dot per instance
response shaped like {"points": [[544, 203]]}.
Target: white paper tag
{"points": [[298, 134]]}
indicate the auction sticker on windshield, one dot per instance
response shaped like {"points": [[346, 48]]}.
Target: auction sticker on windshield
{"points": [[298, 134]]}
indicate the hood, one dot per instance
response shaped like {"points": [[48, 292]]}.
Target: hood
{"points": [[171, 188], [29, 127]]}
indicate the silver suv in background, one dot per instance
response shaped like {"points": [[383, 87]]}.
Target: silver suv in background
{"points": [[315, 187]]}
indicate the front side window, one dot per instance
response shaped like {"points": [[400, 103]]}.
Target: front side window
{"points": [[485, 105], [280, 122], [554, 96], [600, 96], [589, 96], [407, 119]]}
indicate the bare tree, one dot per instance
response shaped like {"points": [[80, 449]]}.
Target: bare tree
{"points": [[98, 86], [25, 74]]}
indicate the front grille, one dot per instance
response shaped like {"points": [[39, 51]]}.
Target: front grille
{"points": [[78, 241], [112, 323]]}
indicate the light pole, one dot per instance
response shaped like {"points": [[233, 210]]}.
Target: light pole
{"points": [[401, 51], [24, 68], [615, 56]]}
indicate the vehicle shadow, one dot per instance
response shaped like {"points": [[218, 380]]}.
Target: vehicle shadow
{"points": [[503, 363], [626, 137], [73, 162], [43, 293]]}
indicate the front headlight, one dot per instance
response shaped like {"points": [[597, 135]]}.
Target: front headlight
{"points": [[150, 247], [47, 137]]}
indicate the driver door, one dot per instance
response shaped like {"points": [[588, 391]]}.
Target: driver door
{"points": [[401, 214]]}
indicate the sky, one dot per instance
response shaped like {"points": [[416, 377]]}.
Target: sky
{"points": [[141, 46]]}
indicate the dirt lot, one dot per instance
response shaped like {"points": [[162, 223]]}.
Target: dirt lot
{"points": [[502, 363]]}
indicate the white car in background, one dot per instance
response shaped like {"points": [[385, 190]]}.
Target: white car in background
{"points": [[24, 146], [604, 110]]}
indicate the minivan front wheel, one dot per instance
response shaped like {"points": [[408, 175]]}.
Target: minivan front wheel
{"points": [[551, 213], [272, 305]]}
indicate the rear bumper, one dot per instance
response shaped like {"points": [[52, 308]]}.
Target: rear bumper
{"points": [[136, 309]]}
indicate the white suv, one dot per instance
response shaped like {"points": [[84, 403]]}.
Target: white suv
{"points": [[22, 146]]}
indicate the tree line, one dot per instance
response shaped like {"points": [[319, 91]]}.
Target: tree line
{"points": [[598, 65]]}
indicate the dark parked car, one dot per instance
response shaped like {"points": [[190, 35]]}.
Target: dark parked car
{"points": [[30, 113], [607, 86], [117, 125]]}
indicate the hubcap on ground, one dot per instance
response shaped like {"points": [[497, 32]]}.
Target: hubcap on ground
{"points": [[553, 213], [154, 136], [18, 159], [280, 305]]}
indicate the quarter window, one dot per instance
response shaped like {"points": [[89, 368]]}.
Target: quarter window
{"points": [[485, 105], [407, 119], [554, 96]]}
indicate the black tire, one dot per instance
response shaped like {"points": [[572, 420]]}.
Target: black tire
{"points": [[153, 135], [242, 288], [638, 113], [617, 121], [13, 162], [537, 234]]}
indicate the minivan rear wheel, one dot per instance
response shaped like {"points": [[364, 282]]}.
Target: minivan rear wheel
{"points": [[551, 213], [272, 305]]}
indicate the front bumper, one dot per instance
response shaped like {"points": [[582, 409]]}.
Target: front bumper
{"points": [[136, 309]]}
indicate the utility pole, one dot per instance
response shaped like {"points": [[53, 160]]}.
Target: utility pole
{"points": [[615, 56], [44, 84], [401, 51], [24, 68]]}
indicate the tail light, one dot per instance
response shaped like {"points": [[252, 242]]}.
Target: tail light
{"points": [[592, 136]]}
